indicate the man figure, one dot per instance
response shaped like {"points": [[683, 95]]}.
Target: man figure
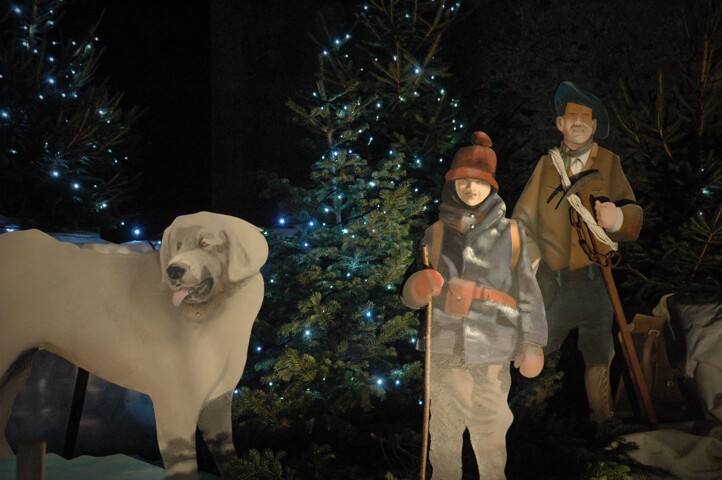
{"points": [[487, 311], [573, 288]]}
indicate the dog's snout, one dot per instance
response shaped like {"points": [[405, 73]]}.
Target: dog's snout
{"points": [[175, 272]]}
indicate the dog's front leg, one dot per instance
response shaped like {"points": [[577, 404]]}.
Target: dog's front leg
{"points": [[176, 422], [215, 425]]}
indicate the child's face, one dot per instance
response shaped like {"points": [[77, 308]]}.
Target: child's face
{"points": [[472, 191]]}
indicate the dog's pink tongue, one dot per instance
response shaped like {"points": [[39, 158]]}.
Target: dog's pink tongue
{"points": [[179, 295]]}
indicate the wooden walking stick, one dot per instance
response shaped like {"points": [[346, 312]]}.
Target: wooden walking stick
{"points": [[427, 377], [605, 263]]}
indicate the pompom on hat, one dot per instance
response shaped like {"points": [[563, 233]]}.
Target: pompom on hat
{"points": [[475, 161]]}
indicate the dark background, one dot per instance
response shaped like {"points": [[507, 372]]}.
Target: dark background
{"points": [[214, 77]]}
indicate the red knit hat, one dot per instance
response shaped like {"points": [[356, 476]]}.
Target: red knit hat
{"points": [[475, 161]]}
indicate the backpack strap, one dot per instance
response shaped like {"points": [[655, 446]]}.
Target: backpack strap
{"points": [[437, 239], [515, 243]]}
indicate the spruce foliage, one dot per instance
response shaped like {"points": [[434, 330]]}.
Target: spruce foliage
{"points": [[336, 381], [672, 140], [63, 138]]}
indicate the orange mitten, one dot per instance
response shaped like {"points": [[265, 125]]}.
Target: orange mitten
{"points": [[421, 286]]}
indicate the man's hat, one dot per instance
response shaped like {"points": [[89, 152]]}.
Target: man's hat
{"points": [[475, 161], [567, 92]]}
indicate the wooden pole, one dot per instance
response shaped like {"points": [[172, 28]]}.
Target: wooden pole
{"points": [[605, 263], [628, 349], [427, 378], [31, 461]]}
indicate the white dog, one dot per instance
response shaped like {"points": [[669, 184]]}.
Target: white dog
{"points": [[173, 324]]}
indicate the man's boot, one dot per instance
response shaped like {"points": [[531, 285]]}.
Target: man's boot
{"points": [[599, 395]]}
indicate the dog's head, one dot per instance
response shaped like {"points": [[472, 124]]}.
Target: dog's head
{"points": [[203, 252]]}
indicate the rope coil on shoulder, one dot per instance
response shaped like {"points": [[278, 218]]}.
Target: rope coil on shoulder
{"points": [[576, 202]]}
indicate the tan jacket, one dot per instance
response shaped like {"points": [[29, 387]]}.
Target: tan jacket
{"points": [[549, 232]]}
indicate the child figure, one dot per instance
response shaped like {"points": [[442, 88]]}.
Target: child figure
{"points": [[487, 310]]}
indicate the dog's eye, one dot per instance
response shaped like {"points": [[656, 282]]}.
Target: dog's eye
{"points": [[204, 244], [179, 245]]}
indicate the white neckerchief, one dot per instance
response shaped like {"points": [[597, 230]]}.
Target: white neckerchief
{"points": [[576, 202]]}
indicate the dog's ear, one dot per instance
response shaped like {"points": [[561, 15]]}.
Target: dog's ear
{"points": [[247, 249], [165, 252]]}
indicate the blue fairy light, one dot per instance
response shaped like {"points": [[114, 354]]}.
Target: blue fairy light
{"points": [[282, 221], [54, 173], [368, 313], [76, 186], [137, 232]]}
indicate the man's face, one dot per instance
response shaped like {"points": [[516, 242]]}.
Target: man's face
{"points": [[577, 125], [472, 191]]}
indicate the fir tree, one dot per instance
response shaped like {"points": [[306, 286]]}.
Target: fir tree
{"points": [[675, 165], [63, 138], [337, 381]]}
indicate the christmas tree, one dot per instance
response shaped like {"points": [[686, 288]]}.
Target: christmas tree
{"points": [[673, 146], [336, 381], [64, 140]]}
